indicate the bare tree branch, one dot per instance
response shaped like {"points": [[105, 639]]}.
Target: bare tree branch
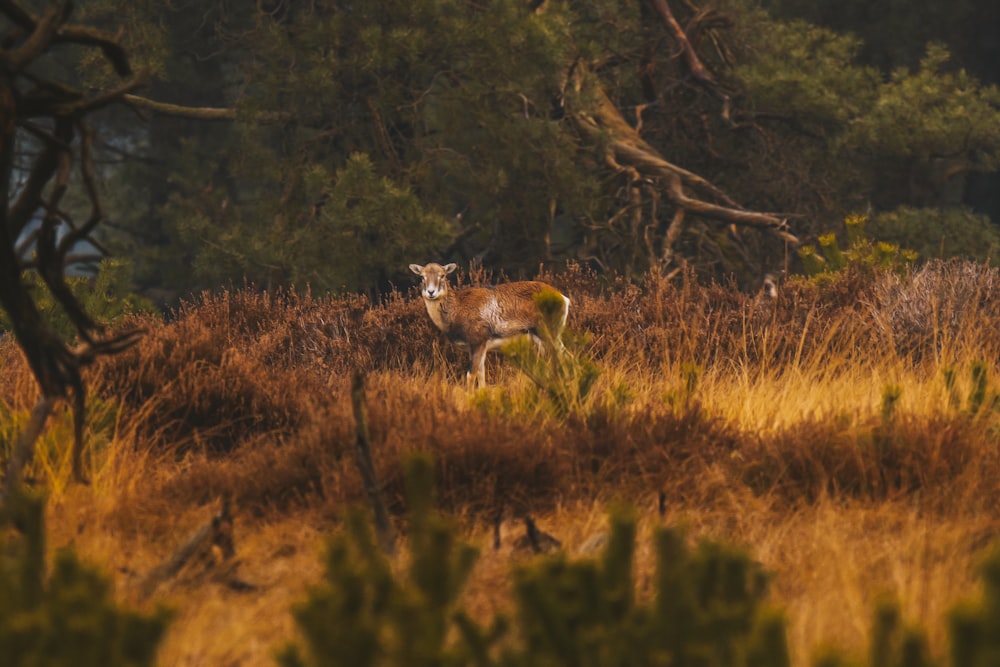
{"points": [[45, 165], [599, 119], [109, 44], [112, 96], [42, 32], [363, 458], [56, 367], [207, 113], [698, 70]]}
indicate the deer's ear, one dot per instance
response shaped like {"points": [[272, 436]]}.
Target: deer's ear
{"points": [[448, 268], [416, 268]]}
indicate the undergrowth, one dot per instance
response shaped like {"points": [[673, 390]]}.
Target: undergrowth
{"points": [[249, 390]]}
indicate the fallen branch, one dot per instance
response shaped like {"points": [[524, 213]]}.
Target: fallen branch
{"points": [[209, 549]]}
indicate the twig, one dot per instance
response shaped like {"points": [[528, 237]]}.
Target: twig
{"points": [[383, 527]]}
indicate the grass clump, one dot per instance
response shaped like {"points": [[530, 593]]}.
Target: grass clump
{"points": [[51, 463]]}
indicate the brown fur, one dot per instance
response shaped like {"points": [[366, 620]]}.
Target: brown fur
{"points": [[482, 318]]}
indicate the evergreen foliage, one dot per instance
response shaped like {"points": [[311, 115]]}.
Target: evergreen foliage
{"points": [[896, 35], [863, 253], [564, 374], [907, 141], [455, 116], [705, 609], [973, 627], [406, 113], [980, 392], [65, 618], [931, 112], [364, 614], [938, 233], [106, 297], [811, 72]]}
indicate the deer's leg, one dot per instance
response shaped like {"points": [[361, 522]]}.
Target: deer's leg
{"points": [[477, 366], [557, 334]]}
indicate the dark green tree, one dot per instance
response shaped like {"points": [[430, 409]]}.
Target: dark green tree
{"points": [[489, 116], [626, 135]]}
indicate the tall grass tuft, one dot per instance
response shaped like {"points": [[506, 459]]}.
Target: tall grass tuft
{"points": [[563, 374]]}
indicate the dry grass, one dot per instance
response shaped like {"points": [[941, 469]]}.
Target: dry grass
{"points": [[846, 434]]}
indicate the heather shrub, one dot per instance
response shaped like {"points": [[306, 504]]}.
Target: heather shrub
{"points": [[251, 389], [880, 458], [937, 307], [186, 393]]}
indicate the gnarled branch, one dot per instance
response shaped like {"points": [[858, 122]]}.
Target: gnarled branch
{"points": [[599, 120], [57, 367]]}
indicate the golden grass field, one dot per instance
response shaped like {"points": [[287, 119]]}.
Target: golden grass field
{"points": [[845, 434]]}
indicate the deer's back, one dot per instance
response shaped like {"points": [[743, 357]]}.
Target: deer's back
{"points": [[499, 311]]}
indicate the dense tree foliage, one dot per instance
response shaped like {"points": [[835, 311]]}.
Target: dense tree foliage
{"points": [[325, 145]]}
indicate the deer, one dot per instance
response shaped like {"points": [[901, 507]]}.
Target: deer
{"points": [[486, 318]]}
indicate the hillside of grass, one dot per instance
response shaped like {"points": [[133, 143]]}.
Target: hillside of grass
{"points": [[845, 433]]}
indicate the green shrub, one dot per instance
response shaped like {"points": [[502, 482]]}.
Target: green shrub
{"points": [[363, 614], [705, 608], [106, 298], [862, 252], [66, 618], [980, 392], [954, 232], [563, 374]]}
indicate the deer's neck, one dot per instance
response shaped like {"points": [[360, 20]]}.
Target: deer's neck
{"points": [[438, 310]]}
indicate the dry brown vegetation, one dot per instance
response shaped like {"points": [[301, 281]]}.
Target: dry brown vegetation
{"points": [[846, 433]]}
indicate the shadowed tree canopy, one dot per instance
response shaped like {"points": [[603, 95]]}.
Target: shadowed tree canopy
{"points": [[363, 138], [330, 144]]}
